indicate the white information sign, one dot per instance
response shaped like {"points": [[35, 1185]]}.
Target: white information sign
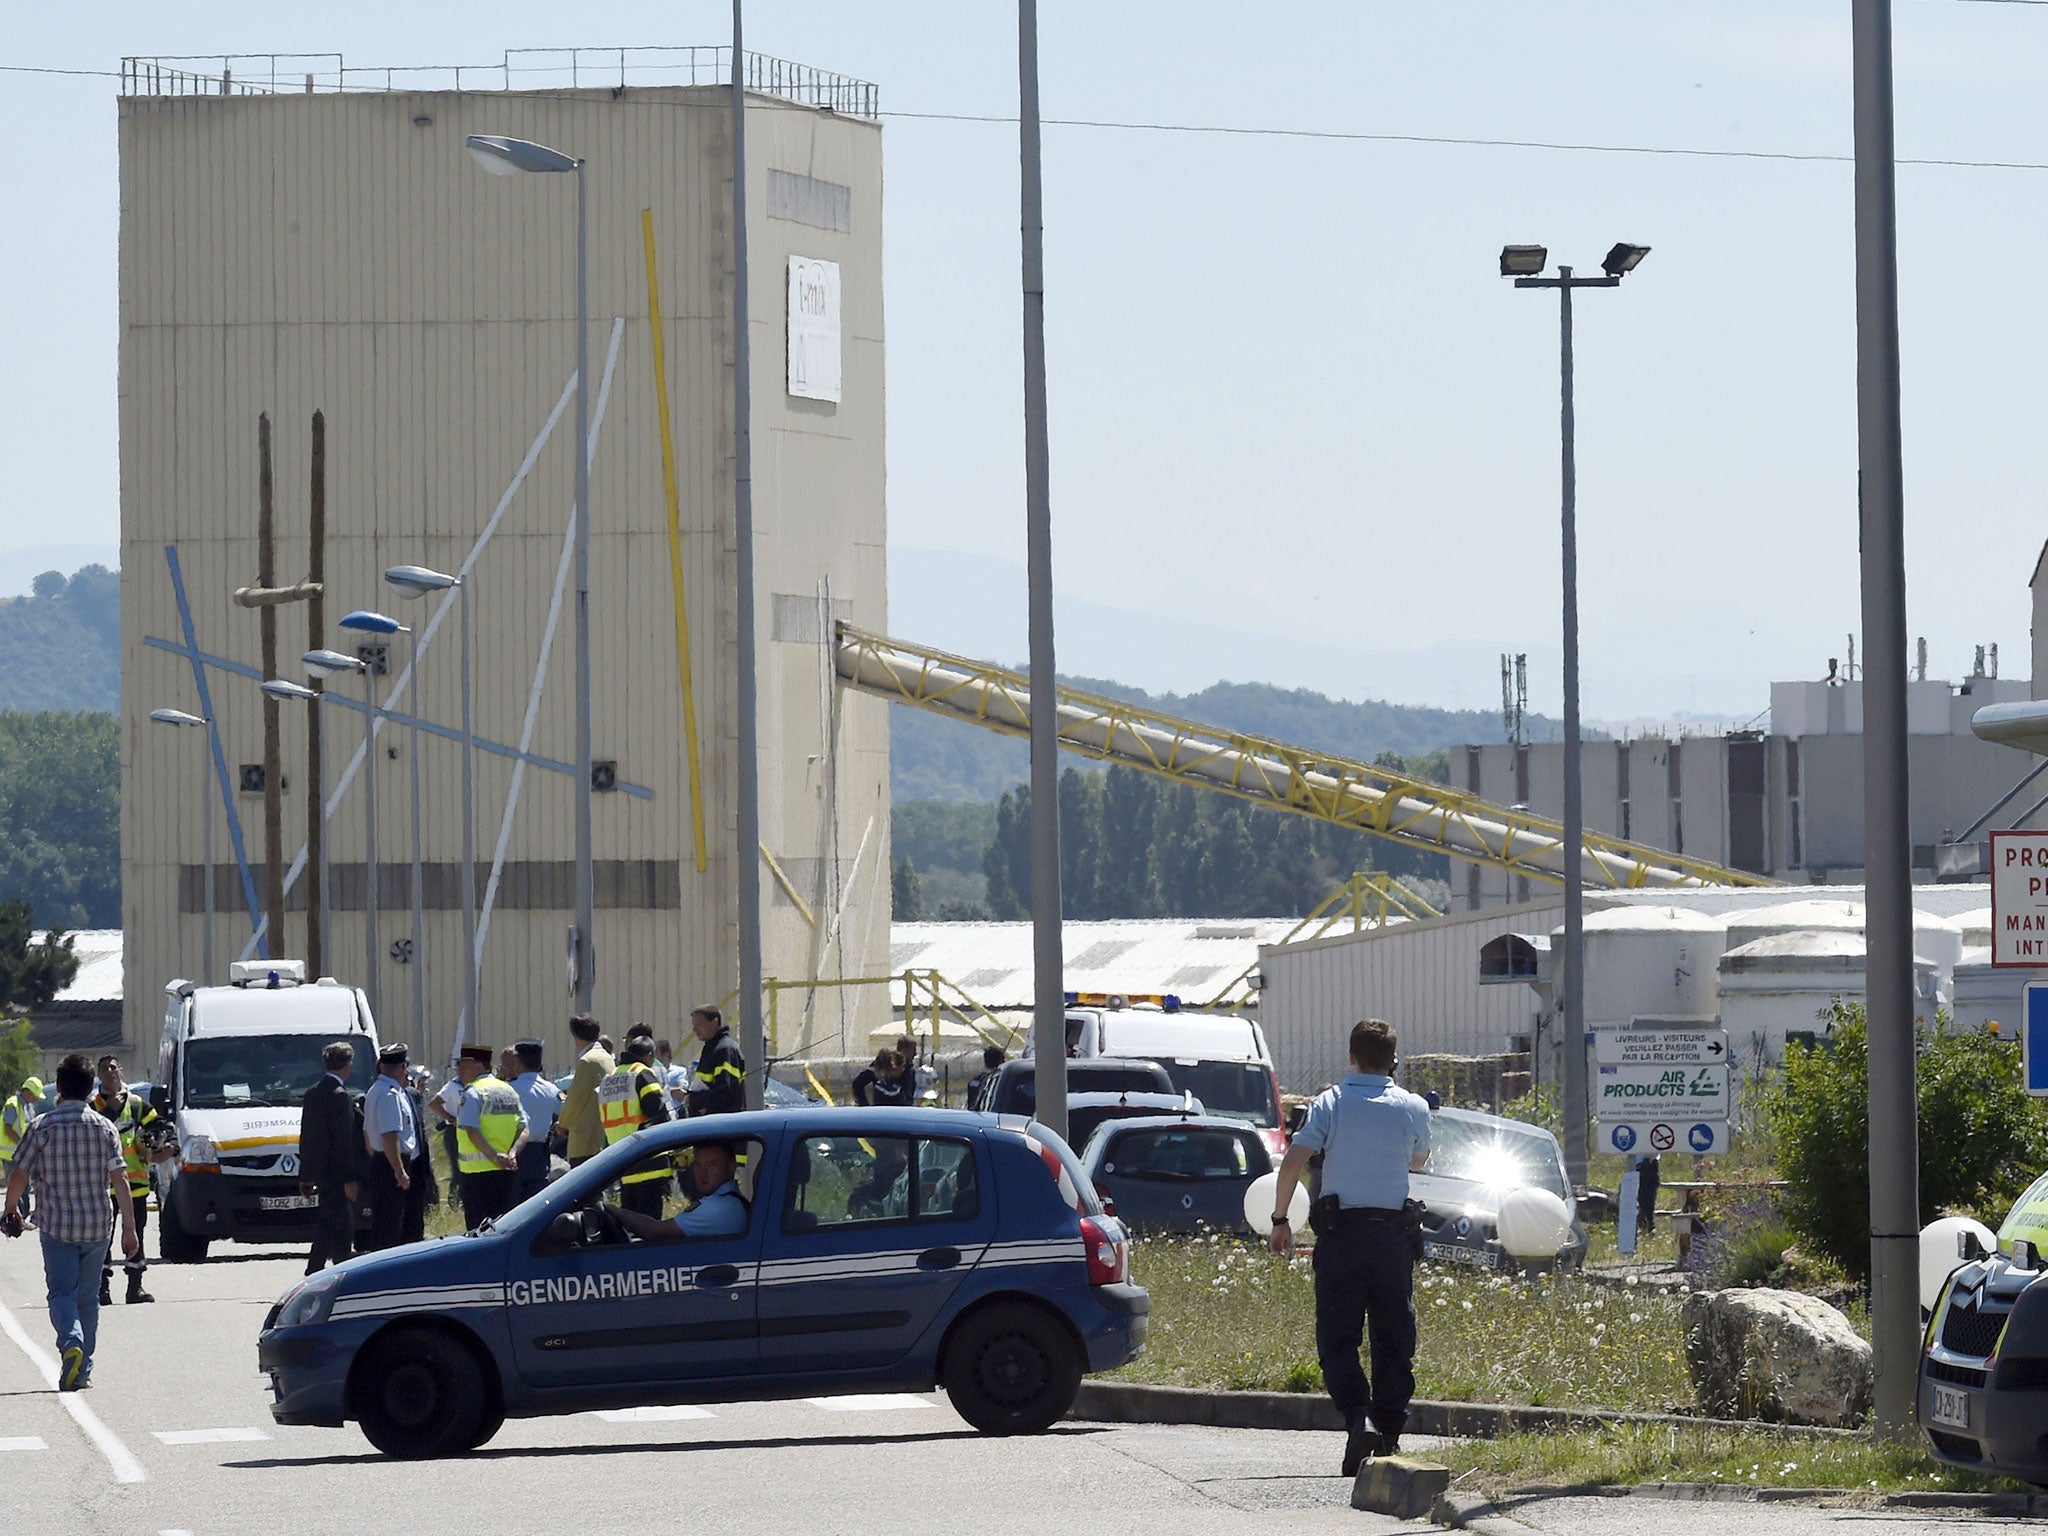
{"points": [[813, 328], [1661, 1046], [2019, 898], [1658, 1092]]}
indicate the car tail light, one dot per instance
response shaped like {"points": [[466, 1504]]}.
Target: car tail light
{"points": [[1109, 1256], [1108, 1200]]}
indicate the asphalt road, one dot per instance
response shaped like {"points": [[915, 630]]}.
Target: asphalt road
{"points": [[176, 1437]]}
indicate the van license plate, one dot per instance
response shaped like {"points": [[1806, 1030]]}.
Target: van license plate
{"points": [[287, 1202], [1948, 1407]]}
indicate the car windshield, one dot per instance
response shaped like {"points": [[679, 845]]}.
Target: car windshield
{"points": [[1192, 1152], [1499, 1156], [1020, 1096], [1242, 1090], [240, 1071], [1082, 1121]]}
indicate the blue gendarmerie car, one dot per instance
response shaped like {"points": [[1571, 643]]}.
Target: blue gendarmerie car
{"points": [[891, 1249]]}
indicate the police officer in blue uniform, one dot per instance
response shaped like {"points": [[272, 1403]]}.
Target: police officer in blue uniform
{"points": [[1371, 1135], [720, 1211]]}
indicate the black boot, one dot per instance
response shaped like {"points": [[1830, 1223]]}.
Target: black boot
{"points": [[135, 1291], [1361, 1444], [106, 1287]]}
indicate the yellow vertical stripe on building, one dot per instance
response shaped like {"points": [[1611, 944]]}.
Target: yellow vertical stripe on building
{"points": [[675, 541]]}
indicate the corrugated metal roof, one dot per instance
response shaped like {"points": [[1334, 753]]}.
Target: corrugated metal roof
{"points": [[992, 961], [99, 967]]}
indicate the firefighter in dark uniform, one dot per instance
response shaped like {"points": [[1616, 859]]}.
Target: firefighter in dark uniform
{"points": [[1371, 1135], [718, 1083]]}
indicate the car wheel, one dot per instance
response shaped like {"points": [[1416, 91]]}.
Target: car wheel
{"points": [[1011, 1369], [173, 1243], [422, 1395], [493, 1421]]}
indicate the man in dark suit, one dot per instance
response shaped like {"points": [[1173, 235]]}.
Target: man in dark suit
{"points": [[328, 1155]]}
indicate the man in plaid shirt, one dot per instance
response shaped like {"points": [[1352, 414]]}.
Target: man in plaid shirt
{"points": [[74, 1156]]}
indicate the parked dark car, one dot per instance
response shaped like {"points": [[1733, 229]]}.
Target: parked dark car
{"points": [[1088, 1111], [1177, 1173], [1012, 1089], [1474, 1159]]}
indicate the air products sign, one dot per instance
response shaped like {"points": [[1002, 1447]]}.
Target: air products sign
{"points": [[813, 328], [1662, 1089], [2019, 898]]}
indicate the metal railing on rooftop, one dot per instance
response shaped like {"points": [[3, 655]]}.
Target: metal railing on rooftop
{"points": [[521, 69]]}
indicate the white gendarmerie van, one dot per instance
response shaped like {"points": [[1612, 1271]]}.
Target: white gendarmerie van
{"points": [[1220, 1058], [233, 1065]]}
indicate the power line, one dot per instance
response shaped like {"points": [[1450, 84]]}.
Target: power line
{"points": [[43, 69], [1355, 136]]}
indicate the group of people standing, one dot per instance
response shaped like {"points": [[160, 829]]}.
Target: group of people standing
{"points": [[503, 1122]]}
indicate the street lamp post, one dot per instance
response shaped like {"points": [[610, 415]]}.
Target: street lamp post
{"points": [[1525, 263], [414, 581], [503, 156], [178, 717], [279, 688], [364, 621]]}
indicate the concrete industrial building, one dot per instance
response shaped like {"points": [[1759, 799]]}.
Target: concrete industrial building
{"points": [[292, 247]]}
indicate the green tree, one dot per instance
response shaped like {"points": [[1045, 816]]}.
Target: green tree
{"points": [[32, 970], [906, 891], [19, 1057], [1982, 1140], [1007, 861], [60, 816]]}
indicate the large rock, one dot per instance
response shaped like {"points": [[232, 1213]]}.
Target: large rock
{"points": [[1776, 1355]]}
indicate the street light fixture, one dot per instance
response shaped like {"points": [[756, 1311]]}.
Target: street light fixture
{"points": [[365, 621], [183, 721], [416, 581], [279, 688], [502, 156], [1524, 263]]}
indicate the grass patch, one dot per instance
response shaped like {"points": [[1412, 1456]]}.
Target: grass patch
{"points": [[1640, 1453], [1227, 1314]]}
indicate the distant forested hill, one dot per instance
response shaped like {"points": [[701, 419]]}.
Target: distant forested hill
{"points": [[60, 647], [933, 758]]}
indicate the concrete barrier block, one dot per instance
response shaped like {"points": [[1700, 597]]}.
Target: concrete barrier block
{"points": [[1401, 1486]]}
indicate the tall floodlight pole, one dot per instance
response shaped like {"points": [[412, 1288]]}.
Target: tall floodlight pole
{"points": [[753, 1036], [418, 893], [1048, 963], [317, 903], [502, 156], [1887, 847], [179, 718], [323, 663], [418, 581], [1524, 263]]}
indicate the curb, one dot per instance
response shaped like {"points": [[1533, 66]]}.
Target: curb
{"points": [[1123, 1402]]}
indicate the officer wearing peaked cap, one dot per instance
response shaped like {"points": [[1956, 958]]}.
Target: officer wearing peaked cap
{"points": [[391, 1144]]}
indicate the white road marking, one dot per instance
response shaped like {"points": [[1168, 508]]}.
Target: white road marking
{"points": [[207, 1436], [22, 1443], [173, 1533], [868, 1402], [657, 1414], [125, 1467]]}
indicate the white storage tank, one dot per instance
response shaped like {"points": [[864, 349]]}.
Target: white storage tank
{"points": [[1778, 984], [1641, 960], [1936, 940], [1987, 994]]}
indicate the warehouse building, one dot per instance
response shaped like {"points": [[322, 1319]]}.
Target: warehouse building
{"points": [[326, 245]]}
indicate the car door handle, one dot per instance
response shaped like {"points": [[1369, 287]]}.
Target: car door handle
{"points": [[938, 1258], [717, 1275]]}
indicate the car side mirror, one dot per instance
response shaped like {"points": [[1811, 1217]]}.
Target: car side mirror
{"points": [[1969, 1247], [2026, 1255], [1297, 1117], [160, 1099], [565, 1231]]}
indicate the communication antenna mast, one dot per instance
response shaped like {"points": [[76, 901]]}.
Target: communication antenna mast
{"points": [[1920, 659], [1514, 695], [1849, 672], [1993, 649]]}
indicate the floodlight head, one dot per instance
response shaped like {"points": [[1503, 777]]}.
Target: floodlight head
{"points": [[175, 717], [419, 580], [324, 663], [278, 688], [1523, 260], [371, 622], [508, 157], [1623, 259]]}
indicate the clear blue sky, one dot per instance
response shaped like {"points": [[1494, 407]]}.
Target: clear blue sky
{"points": [[1290, 395]]}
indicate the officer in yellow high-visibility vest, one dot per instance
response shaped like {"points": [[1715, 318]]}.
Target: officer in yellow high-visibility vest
{"points": [[130, 1113], [15, 1114], [490, 1128], [631, 1096]]}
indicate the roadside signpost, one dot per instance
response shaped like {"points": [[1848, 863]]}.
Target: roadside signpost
{"points": [[2019, 898], [2034, 1037], [1663, 1088]]}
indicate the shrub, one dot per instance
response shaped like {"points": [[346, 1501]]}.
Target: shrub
{"points": [[1537, 1107], [1982, 1140]]}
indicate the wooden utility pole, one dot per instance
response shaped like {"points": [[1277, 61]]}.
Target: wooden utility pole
{"points": [[265, 597], [317, 894], [273, 751]]}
